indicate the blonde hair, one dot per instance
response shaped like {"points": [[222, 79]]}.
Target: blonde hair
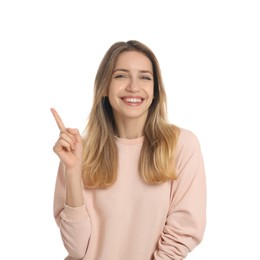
{"points": [[100, 157]]}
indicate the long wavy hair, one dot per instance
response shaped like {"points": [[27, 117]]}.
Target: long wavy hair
{"points": [[100, 156]]}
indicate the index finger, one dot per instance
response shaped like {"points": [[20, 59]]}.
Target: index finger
{"points": [[58, 119]]}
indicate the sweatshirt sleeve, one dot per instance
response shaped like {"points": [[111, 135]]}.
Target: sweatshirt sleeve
{"points": [[73, 222], [186, 220]]}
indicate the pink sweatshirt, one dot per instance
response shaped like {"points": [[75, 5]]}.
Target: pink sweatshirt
{"points": [[132, 220]]}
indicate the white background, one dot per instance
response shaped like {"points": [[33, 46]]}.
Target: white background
{"points": [[210, 61]]}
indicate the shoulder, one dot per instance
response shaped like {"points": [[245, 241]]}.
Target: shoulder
{"points": [[186, 137], [183, 138], [187, 145], [189, 158]]}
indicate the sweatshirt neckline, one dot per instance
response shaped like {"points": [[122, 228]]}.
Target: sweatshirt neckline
{"points": [[138, 140]]}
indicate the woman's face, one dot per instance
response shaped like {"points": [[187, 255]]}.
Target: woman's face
{"points": [[132, 87]]}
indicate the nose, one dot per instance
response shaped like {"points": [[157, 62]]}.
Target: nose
{"points": [[132, 86]]}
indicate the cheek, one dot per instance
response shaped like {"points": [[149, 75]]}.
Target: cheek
{"points": [[112, 97], [113, 90], [110, 92], [150, 92]]}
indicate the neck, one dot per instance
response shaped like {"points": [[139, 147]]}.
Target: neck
{"points": [[129, 129]]}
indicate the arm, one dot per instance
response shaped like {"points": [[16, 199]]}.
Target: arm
{"points": [[69, 209], [73, 221], [185, 223]]}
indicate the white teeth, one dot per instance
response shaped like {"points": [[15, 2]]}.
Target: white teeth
{"points": [[133, 100]]}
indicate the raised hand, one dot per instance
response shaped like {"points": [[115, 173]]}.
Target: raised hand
{"points": [[69, 145]]}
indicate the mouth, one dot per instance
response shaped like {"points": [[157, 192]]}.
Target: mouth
{"points": [[132, 101]]}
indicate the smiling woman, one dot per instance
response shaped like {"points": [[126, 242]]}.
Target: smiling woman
{"points": [[130, 93], [133, 185]]}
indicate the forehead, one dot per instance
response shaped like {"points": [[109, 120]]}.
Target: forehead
{"points": [[133, 60]]}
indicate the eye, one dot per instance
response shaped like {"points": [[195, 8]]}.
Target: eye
{"points": [[120, 76], [146, 77]]}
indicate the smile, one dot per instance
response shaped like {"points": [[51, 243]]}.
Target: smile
{"points": [[132, 100]]}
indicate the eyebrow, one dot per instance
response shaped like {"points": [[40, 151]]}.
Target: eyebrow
{"points": [[125, 70]]}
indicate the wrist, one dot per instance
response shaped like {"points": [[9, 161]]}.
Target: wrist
{"points": [[74, 172]]}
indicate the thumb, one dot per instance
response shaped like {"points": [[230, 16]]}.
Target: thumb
{"points": [[75, 132]]}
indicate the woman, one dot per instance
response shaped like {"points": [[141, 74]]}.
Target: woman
{"points": [[133, 186]]}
